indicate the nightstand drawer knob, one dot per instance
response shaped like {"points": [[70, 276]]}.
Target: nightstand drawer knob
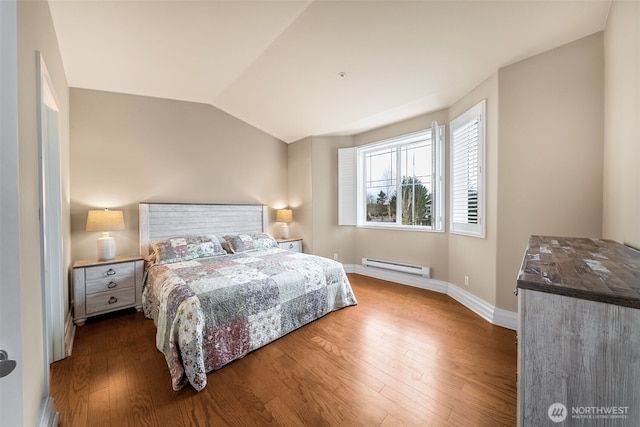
{"points": [[290, 245], [112, 284], [113, 300], [111, 272]]}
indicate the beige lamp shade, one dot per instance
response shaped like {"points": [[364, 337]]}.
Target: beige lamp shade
{"points": [[284, 215], [105, 221]]}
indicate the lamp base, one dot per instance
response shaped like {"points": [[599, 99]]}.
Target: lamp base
{"points": [[106, 247], [285, 231]]}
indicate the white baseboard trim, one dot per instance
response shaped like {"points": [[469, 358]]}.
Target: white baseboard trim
{"points": [[349, 268], [48, 416], [497, 316], [472, 302], [69, 334], [505, 318], [402, 278]]}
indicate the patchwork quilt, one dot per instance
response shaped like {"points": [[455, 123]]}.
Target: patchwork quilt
{"points": [[211, 311]]}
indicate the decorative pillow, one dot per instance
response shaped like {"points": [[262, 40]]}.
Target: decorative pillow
{"points": [[250, 242], [177, 249], [225, 245]]}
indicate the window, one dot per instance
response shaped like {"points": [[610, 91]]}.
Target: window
{"points": [[467, 172], [399, 182]]}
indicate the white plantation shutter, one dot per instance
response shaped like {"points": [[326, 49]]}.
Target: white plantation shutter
{"points": [[467, 179], [347, 181], [466, 171]]}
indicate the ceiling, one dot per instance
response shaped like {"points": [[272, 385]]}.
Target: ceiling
{"points": [[278, 65]]}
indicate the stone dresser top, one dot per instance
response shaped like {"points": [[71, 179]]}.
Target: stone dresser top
{"points": [[591, 269]]}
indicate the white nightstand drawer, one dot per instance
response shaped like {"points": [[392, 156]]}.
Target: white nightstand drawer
{"points": [[108, 301], [105, 273], [291, 245], [103, 285]]}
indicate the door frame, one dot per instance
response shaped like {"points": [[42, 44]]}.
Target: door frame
{"points": [[51, 245]]}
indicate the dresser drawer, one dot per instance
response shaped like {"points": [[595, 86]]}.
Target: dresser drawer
{"points": [[111, 300], [109, 277]]}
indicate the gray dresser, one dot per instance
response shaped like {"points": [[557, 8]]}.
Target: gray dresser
{"points": [[578, 333]]}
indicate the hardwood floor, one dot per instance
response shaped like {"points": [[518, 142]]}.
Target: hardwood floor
{"points": [[402, 356]]}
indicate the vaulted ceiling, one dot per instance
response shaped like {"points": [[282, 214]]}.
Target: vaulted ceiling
{"points": [[299, 68]]}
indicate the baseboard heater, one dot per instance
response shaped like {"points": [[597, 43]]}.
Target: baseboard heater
{"points": [[397, 266]]}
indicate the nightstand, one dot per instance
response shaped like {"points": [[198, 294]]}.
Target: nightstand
{"points": [[104, 286], [294, 245]]}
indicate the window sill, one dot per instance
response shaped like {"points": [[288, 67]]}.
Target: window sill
{"points": [[468, 234], [398, 228]]}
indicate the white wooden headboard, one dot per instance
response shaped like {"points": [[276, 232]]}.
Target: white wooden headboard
{"points": [[164, 220]]}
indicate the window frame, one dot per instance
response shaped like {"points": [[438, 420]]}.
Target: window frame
{"points": [[458, 226], [437, 135]]}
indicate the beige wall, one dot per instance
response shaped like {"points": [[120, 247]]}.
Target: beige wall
{"points": [[313, 189], [622, 124], [36, 33], [126, 149], [550, 152], [329, 237], [471, 256], [300, 193]]}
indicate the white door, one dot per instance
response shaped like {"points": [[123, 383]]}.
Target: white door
{"points": [[11, 403]]}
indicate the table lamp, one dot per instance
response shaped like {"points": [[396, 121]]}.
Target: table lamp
{"points": [[285, 216], [105, 221]]}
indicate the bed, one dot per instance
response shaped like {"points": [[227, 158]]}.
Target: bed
{"points": [[218, 286]]}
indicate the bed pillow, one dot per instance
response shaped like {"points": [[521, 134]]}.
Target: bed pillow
{"points": [[177, 249], [250, 242], [225, 245]]}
